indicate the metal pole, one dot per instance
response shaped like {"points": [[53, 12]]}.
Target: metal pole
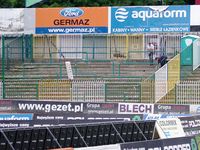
{"points": [[3, 66], [6, 138]]}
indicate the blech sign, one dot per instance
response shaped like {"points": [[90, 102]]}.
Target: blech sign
{"points": [[135, 108]]}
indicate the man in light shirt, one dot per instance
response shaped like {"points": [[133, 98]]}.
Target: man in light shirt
{"points": [[150, 48]]}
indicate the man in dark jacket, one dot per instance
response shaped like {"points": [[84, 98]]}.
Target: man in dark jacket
{"points": [[162, 60]]}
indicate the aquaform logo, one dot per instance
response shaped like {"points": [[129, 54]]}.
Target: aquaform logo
{"points": [[71, 12], [144, 15], [121, 14]]}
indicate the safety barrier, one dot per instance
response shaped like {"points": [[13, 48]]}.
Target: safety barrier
{"points": [[88, 90], [122, 91], [54, 89], [80, 135], [166, 78], [148, 90], [187, 92]]}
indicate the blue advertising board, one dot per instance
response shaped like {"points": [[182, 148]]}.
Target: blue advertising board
{"points": [[140, 19], [16, 116]]}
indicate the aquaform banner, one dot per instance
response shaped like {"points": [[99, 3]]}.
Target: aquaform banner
{"points": [[141, 19], [84, 20]]}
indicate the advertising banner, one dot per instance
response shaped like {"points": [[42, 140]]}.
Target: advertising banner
{"points": [[100, 108], [90, 117], [195, 109], [171, 109], [140, 19], [16, 117], [43, 107], [6, 106], [38, 123], [50, 120], [61, 107], [72, 20], [169, 128], [11, 21], [183, 143], [159, 116], [56, 107], [191, 125], [135, 108], [194, 18], [103, 147]]}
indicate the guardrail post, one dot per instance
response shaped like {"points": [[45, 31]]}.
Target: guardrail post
{"points": [[119, 71], [113, 68], [3, 66]]}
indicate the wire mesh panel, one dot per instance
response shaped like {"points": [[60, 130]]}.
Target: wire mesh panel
{"points": [[169, 98], [148, 91], [196, 53], [20, 89], [188, 92], [173, 72], [118, 45], [135, 46], [160, 83], [155, 40], [95, 47], [88, 90], [44, 47], [54, 89], [168, 43], [70, 46], [122, 91]]}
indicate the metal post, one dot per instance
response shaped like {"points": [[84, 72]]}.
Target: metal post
{"points": [[6, 138], [54, 138], [22, 48], [80, 135], [140, 130], [117, 132], [3, 66]]}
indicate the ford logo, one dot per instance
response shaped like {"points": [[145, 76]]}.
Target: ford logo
{"points": [[71, 12]]}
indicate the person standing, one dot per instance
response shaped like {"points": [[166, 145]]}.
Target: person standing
{"points": [[162, 60], [150, 48]]}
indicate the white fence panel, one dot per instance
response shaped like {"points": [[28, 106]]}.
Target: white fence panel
{"points": [[160, 83], [188, 92], [88, 90], [196, 54]]}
